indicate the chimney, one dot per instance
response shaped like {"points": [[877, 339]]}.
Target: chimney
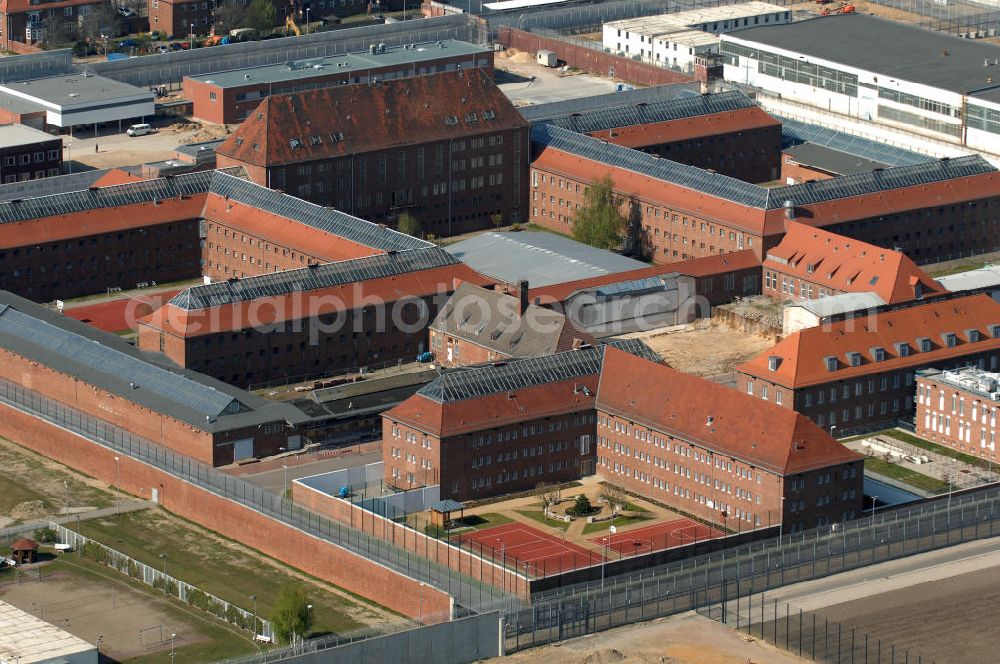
{"points": [[789, 210], [522, 291]]}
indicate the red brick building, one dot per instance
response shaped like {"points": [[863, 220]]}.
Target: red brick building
{"points": [[499, 428], [858, 374], [928, 210], [727, 133], [695, 445], [176, 17], [230, 96], [23, 22], [811, 263], [478, 325], [308, 322], [449, 149], [106, 377], [958, 409]]}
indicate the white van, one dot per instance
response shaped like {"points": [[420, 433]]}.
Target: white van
{"points": [[139, 130]]}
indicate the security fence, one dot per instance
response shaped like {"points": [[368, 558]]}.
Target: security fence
{"points": [[754, 568], [470, 594], [808, 634], [170, 585]]}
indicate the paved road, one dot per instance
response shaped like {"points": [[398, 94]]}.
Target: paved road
{"points": [[275, 479], [63, 519]]}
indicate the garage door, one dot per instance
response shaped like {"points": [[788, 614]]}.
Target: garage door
{"points": [[243, 449]]}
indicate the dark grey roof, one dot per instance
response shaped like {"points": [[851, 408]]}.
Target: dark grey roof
{"points": [[586, 122], [200, 150], [490, 319], [752, 195], [474, 382], [108, 362], [313, 277], [130, 193], [794, 132], [230, 183], [331, 221], [57, 184], [882, 46], [540, 258], [830, 160], [612, 100], [447, 505]]}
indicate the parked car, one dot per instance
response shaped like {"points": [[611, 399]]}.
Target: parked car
{"points": [[162, 48], [177, 47], [126, 43], [139, 130]]}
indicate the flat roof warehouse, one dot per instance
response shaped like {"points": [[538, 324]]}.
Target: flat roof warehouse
{"points": [[332, 64], [878, 45]]}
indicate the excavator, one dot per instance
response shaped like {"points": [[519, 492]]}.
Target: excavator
{"points": [[843, 8], [290, 24]]}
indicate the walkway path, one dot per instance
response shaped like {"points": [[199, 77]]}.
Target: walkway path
{"points": [[62, 519]]}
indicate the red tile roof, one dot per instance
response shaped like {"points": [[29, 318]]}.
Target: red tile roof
{"points": [[348, 119], [711, 266], [706, 413], [466, 416], [844, 264], [658, 133], [772, 221], [801, 356], [115, 176]]}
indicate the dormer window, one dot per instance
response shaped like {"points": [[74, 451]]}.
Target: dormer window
{"points": [[949, 339], [902, 349], [972, 335], [878, 354], [853, 359], [773, 362], [994, 331], [924, 344], [830, 363]]}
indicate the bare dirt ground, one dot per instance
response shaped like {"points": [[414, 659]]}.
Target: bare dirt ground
{"points": [[703, 348], [865, 8], [120, 149], [89, 606], [688, 638]]}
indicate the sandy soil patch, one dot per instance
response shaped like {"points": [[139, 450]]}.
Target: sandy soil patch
{"points": [[703, 348]]}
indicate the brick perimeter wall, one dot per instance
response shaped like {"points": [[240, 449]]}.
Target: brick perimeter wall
{"points": [[409, 539], [592, 61], [314, 556]]}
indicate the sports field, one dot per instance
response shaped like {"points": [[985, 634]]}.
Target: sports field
{"points": [[520, 546], [657, 537]]}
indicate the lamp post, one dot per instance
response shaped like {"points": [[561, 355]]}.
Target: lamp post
{"points": [[118, 486], [308, 619], [874, 498], [284, 481], [253, 598], [307, 19], [66, 487], [173, 653], [833, 427], [781, 519], [192, 36], [163, 557]]}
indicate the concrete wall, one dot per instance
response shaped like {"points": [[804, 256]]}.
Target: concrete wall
{"points": [[591, 60], [468, 640]]}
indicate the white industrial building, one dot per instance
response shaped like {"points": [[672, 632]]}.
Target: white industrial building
{"points": [[73, 100], [876, 70], [26, 639], [673, 40]]}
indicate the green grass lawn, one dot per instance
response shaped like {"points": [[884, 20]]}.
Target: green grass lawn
{"points": [[225, 569], [220, 639], [489, 520], [964, 266], [618, 522], [939, 449], [13, 493], [540, 517], [906, 475]]}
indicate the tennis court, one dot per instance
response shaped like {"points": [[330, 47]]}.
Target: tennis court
{"points": [[657, 537], [519, 546]]}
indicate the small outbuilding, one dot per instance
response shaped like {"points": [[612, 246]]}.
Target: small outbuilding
{"points": [[443, 512], [24, 551]]}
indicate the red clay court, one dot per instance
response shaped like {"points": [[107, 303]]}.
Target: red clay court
{"points": [[121, 314], [516, 544], [658, 537]]}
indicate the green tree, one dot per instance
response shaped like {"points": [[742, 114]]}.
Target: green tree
{"points": [[291, 616], [260, 16], [407, 223], [599, 222]]}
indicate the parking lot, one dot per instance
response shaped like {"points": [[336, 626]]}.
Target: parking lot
{"points": [[526, 83]]}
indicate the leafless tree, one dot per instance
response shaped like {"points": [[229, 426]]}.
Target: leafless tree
{"points": [[615, 496], [229, 15], [549, 494]]}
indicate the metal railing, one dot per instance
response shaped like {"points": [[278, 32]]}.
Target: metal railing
{"points": [[594, 606], [468, 592], [170, 585]]}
